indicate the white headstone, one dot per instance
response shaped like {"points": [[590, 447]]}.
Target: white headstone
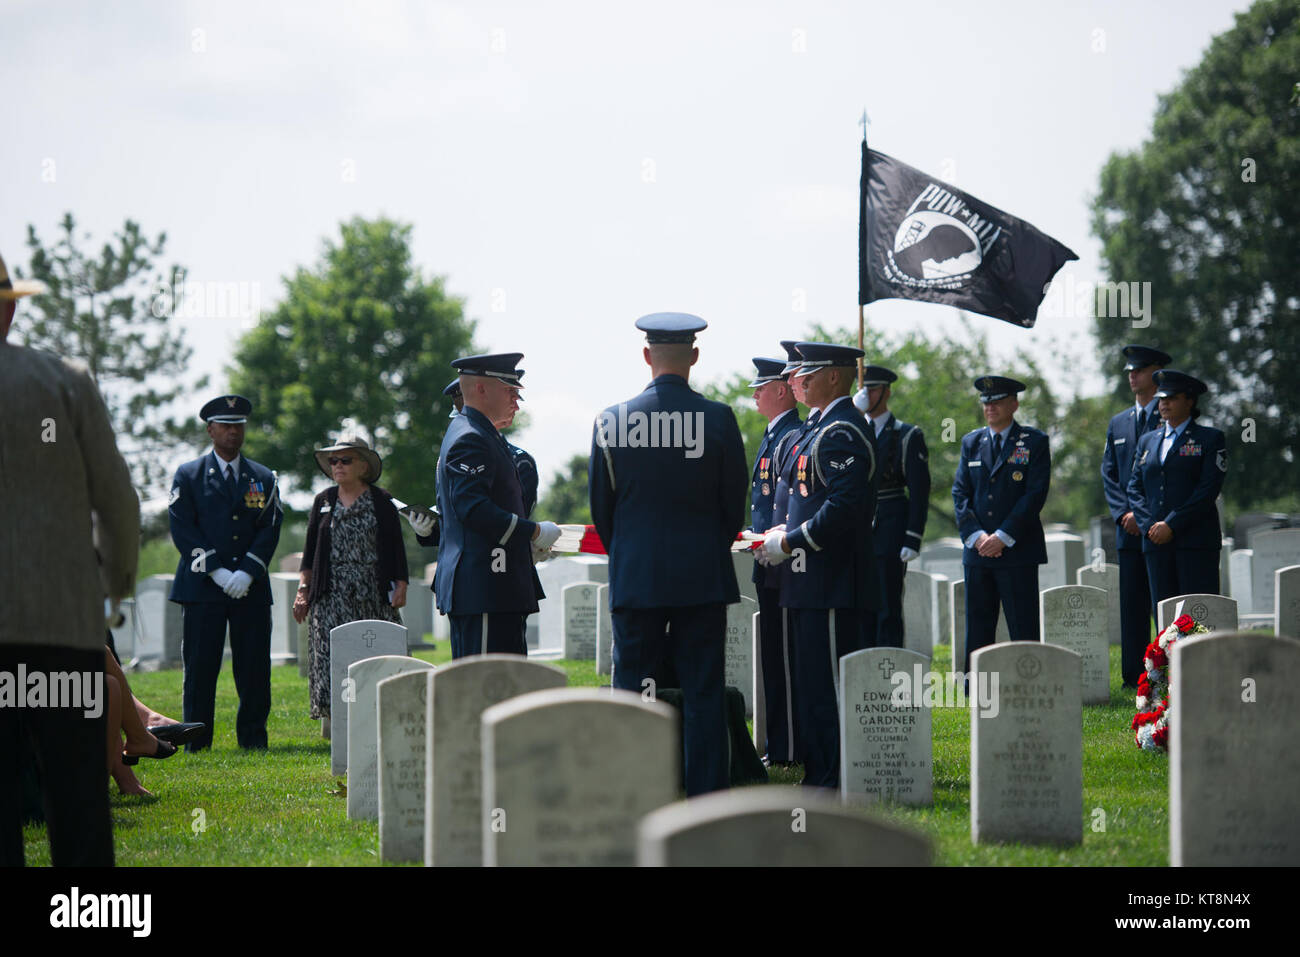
{"points": [[738, 665], [1234, 770], [363, 729], [569, 773], [942, 608], [284, 630], [1213, 611], [459, 694], [124, 634], [159, 620], [1274, 549], [1107, 579], [760, 696], [957, 602], [402, 722], [885, 751], [291, 563], [1286, 601], [918, 610], [1026, 746], [417, 616], [1242, 580], [579, 603], [774, 827], [743, 562], [349, 643], [942, 557], [1065, 556], [1074, 617], [545, 630], [604, 633], [1225, 568]]}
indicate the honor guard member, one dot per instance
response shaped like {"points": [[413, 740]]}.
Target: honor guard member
{"points": [[902, 500], [1177, 476], [783, 457], [485, 582], [667, 486], [525, 465], [776, 403], [999, 490], [427, 528], [829, 582], [1122, 436], [225, 521]]}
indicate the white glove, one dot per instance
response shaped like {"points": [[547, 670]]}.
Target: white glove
{"points": [[772, 546], [422, 524], [548, 533], [860, 401], [907, 554], [541, 554], [221, 576], [238, 585], [760, 556]]}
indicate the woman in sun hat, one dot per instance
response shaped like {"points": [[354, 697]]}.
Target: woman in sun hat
{"points": [[353, 561]]}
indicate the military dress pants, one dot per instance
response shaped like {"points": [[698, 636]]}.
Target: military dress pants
{"points": [[823, 636], [884, 628], [203, 643], [1181, 571], [692, 640], [776, 644], [486, 633], [1134, 614], [1015, 588]]}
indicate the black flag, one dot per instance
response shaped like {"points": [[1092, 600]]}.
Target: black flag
{"points": [[919, 238]]}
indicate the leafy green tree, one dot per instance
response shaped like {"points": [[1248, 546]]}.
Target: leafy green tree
{"points": [[1208, 212], [362, 341], [105, 311], [566, 502]]}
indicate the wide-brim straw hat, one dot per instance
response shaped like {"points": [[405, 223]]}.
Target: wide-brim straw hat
{"points": [[358, 446], [17, 288]]}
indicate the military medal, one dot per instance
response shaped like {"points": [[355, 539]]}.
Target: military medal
{"points": [[803, 489], [767, 489], [1017, 476], [762, 471]]}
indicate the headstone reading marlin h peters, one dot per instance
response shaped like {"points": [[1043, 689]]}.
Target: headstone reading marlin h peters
{"points": [[453, 759], [918, 610], [774, 827], [1234, 769], [545, 630], [1064, 557], [1242, 580], [1215, 612], [957, 602], [1074, 617], [402, 701], [363, 729], [1107, 579], [1272, 550], [1026, 745], [738, 663], [579, 603], [885, 750], [1286, 602], [349, 643], [604, 633], [568, 774]]}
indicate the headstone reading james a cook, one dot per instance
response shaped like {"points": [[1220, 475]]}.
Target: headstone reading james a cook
{"points": [[579, 603], [738, 664], [1026, 746], [1215, 612], [885, 751], [773, 827], [1233, 766], [363, 730], [1074, 617], [458, 695], [569, 773], [350, 643], [402, 721]]}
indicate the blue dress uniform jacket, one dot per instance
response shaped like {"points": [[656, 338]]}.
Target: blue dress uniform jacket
{"points": [[1181, 492], [831, 505], [239, 533], [1007, 494], [668, 515], [1117, 465], [903, 498], [485, 559], [526, 466], [762, 492]]}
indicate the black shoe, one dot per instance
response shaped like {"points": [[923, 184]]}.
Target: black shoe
{"points": [[165, 750], [182, 733]]}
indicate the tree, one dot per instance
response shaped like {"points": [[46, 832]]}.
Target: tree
{"points": [[566, 502], [106, 312], [1207, 212], [362, 342]]}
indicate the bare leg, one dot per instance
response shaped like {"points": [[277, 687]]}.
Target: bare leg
{"points": [[149, 717], [138, 738], [126, 780]]}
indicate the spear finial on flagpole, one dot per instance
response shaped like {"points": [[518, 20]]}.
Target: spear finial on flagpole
{"points": [[864, 122]]}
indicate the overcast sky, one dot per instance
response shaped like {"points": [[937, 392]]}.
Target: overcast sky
{"points": [[569, 167]]}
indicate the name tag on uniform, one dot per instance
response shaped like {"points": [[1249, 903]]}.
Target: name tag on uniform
{"points": [[974, 462], [1120, 441]]}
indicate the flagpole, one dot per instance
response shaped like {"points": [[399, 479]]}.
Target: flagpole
{"points": [[861, 315]]}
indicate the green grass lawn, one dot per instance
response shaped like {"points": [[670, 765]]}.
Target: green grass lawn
{"points": [[283, 807]]}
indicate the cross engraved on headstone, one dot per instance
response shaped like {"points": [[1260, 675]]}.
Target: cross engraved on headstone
{"points": [[369, 637], [886, 668]]}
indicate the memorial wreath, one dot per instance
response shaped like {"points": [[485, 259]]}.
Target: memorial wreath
{"points": [[1151, 723]]}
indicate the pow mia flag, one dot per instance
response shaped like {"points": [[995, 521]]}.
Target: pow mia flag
{"points": [[919, 238]]}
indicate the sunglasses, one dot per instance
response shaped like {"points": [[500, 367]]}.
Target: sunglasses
{"points": [[340, 460]]}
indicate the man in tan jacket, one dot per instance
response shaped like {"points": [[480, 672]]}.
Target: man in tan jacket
{"points": [[60, 476]]}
